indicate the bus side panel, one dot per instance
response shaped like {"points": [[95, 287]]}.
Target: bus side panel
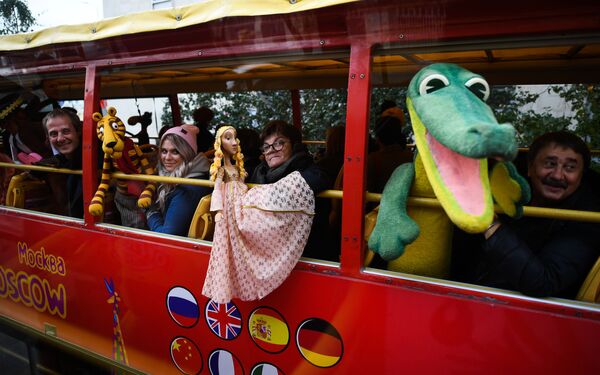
{"points": [[313, 323]]}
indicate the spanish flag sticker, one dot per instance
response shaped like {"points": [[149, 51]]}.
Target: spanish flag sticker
{"points": [[319, 342], [268, 330]]}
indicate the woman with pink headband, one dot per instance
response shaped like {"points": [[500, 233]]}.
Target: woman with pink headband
{"points": [[175, 204]]}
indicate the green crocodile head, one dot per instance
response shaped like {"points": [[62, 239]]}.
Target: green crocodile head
{"points": [[455, 132]]}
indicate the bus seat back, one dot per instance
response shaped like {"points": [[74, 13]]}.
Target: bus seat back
{"points": [[335, 214], [590, 289], [25, 192], [6, 175], [203, 223]]}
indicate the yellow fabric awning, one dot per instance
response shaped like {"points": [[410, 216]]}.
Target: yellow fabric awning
{"points": [[165, 19]]}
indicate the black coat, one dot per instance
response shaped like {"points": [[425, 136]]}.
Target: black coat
{"points": [[205, 140], [540, 257]]}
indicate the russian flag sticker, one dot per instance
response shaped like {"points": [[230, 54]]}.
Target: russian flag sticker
{"points": [[182, 307]]}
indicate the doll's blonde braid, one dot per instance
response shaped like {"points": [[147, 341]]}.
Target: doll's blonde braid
{"points": [[218, 160], [239, 161]]}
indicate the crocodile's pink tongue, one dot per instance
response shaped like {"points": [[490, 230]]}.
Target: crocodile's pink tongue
{"points": [[461, 176]]}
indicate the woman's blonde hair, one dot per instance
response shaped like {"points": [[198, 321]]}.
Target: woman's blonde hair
{"points": [[218, 161], [188, 155]]}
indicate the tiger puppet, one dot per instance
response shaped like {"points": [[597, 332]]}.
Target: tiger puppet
{"points": [[122, 154]]}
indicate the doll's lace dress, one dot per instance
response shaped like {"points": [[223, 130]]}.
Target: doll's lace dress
{"points": [[260, 237]]}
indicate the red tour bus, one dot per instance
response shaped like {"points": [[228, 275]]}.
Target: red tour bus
{"points": [[131, 299]]}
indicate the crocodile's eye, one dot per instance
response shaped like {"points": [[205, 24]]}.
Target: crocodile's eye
{"points": [[433, 83], [479, 87]]}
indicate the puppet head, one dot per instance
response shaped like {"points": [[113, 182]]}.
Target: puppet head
{"points": [[455, 132], [111, 131], [218, 162]]}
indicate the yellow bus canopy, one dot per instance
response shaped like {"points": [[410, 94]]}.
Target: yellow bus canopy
{"points": [[164, 19]]}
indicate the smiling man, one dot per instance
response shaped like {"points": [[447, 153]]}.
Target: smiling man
{"points": [[539, 256], [63, 130], [556, 165]]}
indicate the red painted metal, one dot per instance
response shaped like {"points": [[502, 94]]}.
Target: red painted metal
{"points": [[384, 328], [357, 121], [296, 110], [399, 23], [388, 323], [90, 141]]}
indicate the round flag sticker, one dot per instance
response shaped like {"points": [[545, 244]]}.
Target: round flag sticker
{"points": [[221, 362], [182, 307], [319, 342], [186, 356], [268, 330], [224, 319], [266, 369]]}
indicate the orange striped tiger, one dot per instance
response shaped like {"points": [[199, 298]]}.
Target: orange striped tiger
{"points": [[123, 155]]}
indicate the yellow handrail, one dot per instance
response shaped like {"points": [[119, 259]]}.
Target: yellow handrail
{"points": [[592, 152], [40, 168], [550, 213], [314, 142]]}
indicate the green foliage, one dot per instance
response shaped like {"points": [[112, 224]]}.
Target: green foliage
{"points": [[15, 17], [379, 95], [322, 109], [585, 104], [509, 104], [241, 109]]}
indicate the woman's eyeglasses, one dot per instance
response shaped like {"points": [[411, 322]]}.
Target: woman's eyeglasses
{"points": [[277, 146]]}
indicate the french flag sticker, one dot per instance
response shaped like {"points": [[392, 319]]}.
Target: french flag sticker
{"points": [[222, 362]]}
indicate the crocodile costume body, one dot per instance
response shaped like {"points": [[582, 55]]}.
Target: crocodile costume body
{"points": [[455, 132]]}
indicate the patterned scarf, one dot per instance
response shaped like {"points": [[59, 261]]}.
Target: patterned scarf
{"points": [[297, 162]]}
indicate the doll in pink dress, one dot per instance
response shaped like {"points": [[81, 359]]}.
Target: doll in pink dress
{"points": [[260, 232]]}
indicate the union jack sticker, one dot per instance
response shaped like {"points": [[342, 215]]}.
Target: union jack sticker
{"points": [[224, 319]]}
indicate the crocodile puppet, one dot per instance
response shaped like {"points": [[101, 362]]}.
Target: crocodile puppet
{"points": [[455, 132]]}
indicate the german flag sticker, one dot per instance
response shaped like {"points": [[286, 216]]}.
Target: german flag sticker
{"points": [[268, 330], [319, 342]]}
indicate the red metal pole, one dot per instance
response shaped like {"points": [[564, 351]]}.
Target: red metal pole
{"points": [[175, 109], [90, 141], [296, 110], [357, 117]]}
